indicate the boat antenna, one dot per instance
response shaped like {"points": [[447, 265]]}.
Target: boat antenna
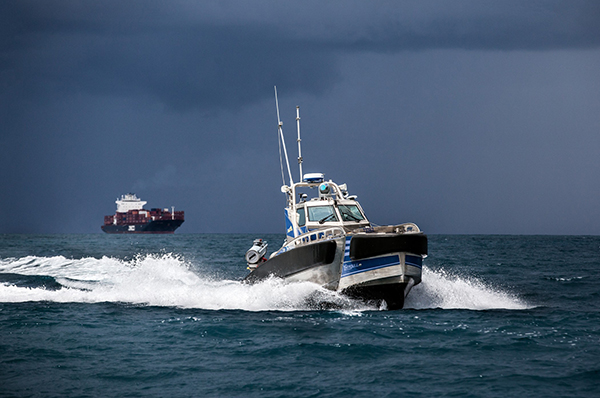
{"points": [[299, 141], [282, 141]]}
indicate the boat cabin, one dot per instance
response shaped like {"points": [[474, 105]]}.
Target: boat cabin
{"points": [[332, 207]]}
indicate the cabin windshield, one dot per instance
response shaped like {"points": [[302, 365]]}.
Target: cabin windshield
{"points": [[350, 213], [321, 214]]}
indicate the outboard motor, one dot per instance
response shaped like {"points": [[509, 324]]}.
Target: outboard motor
{"points": [[256, 254]]}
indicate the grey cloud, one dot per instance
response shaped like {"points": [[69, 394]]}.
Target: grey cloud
{"points": [[467, 103], [214, 56]]}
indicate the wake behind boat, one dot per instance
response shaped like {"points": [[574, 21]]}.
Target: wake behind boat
{"points": [[330, 241]]}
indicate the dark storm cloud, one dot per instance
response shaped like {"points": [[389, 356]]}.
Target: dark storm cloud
{"points": [[481, 25], [222, 55], [468, 103], [106, 49]]}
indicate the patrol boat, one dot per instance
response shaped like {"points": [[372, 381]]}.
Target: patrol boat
{"points": [[330, 242]]}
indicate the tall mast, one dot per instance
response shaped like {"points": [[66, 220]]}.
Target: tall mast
{"points": [[299, 141], [280, 131]]}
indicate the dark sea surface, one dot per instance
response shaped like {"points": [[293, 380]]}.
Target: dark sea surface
{"points": [[167, 316]]}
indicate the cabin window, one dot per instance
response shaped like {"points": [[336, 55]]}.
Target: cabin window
{"points": [[301, 217], [321, 213], [350, 213]]}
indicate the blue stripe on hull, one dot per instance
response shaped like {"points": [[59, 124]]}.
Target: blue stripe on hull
{"points": [[415, 261], [355, 267]]}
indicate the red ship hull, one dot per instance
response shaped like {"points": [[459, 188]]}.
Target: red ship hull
{"points": [[152, 227], [155, 221]]}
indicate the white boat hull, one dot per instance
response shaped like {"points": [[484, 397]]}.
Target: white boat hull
{"points": [[339, 265]]}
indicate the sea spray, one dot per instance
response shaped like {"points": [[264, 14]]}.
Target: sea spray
{"points": [[157, 280], [168, 280], [445, 290]]}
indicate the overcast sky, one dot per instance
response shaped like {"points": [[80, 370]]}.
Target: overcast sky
{"points": [[468, 117]]}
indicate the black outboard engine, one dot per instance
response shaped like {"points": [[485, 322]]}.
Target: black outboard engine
{"points": [[256, 254]]}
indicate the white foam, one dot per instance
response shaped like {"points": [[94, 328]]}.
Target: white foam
{"points": [[167, 280], [58, 266], [440, 289], [164, 280]]}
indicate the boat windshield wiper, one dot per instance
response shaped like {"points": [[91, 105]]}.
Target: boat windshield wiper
{"points": [[326, 218], [348, 213], [352, 217]]}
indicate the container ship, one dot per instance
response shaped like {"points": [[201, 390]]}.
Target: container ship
{"points": [[132, 218]]}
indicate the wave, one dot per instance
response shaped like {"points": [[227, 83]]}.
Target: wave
{"points": [[155, 280], [441, 289], [168, 280]]}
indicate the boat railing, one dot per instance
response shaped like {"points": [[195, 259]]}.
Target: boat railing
{"points": [[406, 228], [315, 236]]}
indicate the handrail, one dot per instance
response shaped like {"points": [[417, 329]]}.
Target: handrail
{"points": [[312, 236], [316, 235], [407, 227]]}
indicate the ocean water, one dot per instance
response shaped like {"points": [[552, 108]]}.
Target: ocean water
{"points": [[167, 316]]}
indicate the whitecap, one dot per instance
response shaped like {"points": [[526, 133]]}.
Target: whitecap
{"points": [[440, 289]]}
